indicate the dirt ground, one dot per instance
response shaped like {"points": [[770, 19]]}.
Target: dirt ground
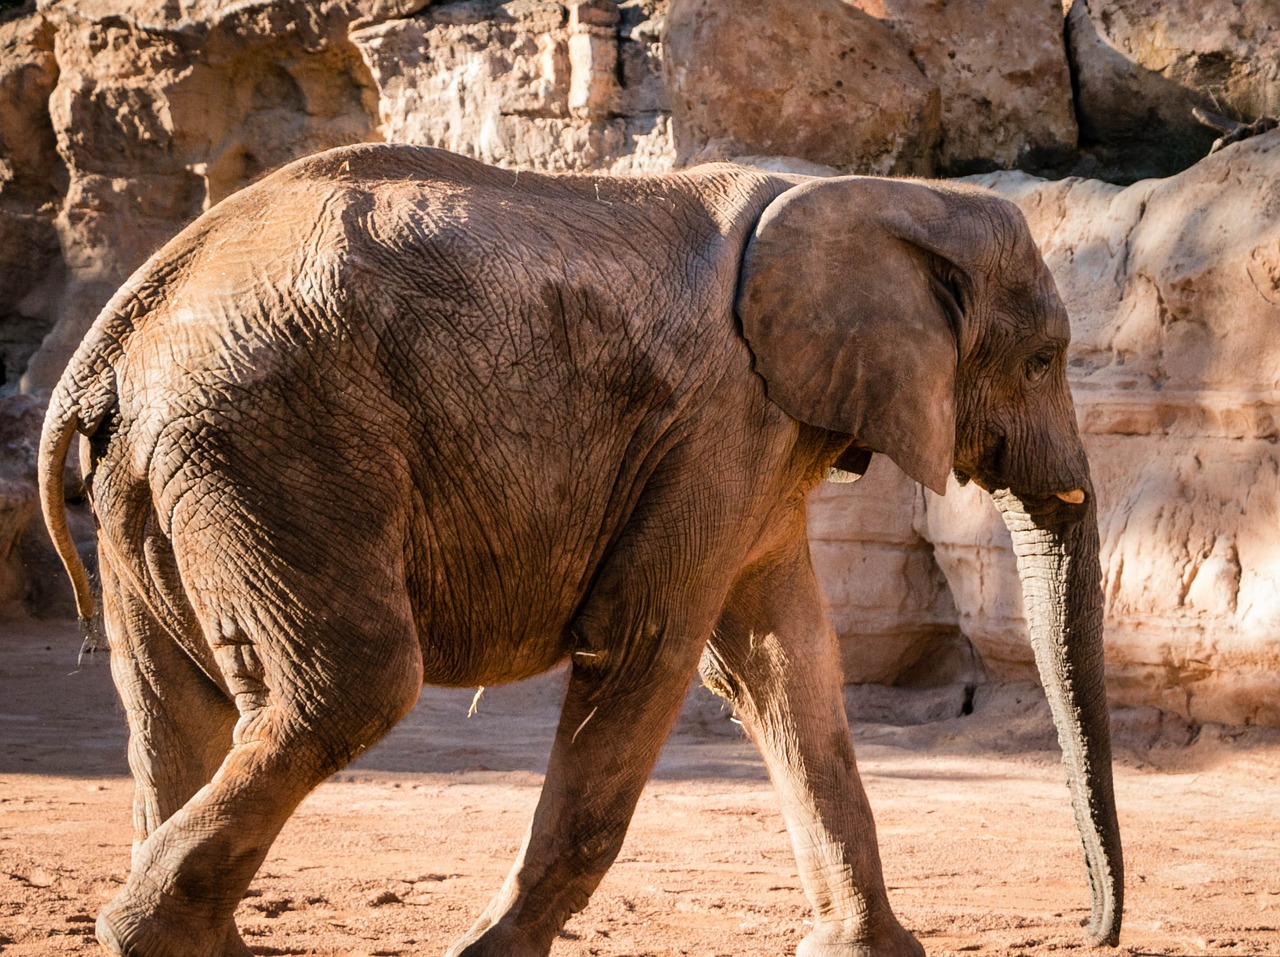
{"points": [[399, 854]]}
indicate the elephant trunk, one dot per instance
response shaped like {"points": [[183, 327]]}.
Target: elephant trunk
{"points": [[1061, 583]]}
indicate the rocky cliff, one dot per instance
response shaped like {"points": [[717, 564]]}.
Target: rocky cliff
{"points": [[121, 121]]}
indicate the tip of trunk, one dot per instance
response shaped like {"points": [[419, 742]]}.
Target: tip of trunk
{"points": [[1105, 937], [1104, 922], [1061, 578]]}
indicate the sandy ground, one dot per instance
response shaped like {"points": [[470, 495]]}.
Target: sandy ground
{"points": [[399, 854]]}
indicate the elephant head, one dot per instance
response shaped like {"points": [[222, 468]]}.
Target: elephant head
{"points": [[920, 320]]}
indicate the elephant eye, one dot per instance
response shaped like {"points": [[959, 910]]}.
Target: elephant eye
{"points": [[1038, 365]]}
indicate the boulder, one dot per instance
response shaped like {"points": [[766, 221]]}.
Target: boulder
{"points": [[1141, 65], [815, 79], [30, 573], [30, 174], [1001, 69]]}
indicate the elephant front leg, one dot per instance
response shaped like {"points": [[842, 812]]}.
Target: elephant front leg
{"points": [[639, 635], [612, 727], [774, 656]]}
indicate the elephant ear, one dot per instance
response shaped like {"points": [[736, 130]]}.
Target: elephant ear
{"points": [[850, 303]]}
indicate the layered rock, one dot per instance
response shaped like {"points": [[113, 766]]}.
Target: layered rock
{"points": [[1141, 65], [530, 83]]}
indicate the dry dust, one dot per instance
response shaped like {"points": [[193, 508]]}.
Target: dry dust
{"points": [[399, 854]]}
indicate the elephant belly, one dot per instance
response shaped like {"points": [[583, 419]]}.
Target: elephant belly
{"points": [[497, 592], [488, 642]]}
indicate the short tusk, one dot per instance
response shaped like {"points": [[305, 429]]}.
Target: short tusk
{"points": [[1074, 497]]}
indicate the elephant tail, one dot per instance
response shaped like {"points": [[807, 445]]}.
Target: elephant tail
{"points": [[84, 397], [61, 423]]}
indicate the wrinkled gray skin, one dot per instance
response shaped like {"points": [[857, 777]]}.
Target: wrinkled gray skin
{"points": [[391, 416]]}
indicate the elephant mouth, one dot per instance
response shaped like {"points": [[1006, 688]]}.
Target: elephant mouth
{"points": [[1061, 507], [1045, 509], [989, 470], [1055, 500]]}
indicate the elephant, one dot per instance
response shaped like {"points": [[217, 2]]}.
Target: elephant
{"points": [[391, 417]]}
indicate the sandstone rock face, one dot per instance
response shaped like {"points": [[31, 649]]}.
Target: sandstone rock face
{"points": [[1174, 290], [1001, 68], [30, 176], [160, 112], [121, 120], [530, 83], [815, 79], [1142, 64], [889, 602]]}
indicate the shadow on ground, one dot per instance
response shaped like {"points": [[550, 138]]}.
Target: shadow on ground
{"points": [[63, 719]]}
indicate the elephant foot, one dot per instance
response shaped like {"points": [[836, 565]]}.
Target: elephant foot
{"points": [[125, 931], [835, 940], [497, 941]]}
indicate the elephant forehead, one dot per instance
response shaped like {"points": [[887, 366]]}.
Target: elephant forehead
{"points": [[1026, 304]]}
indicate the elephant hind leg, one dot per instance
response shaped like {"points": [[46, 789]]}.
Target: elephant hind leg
{"points": [[180, 722], [319, 670]]}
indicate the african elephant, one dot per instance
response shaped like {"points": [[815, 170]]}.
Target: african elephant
{"points": [[391, 417]]}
